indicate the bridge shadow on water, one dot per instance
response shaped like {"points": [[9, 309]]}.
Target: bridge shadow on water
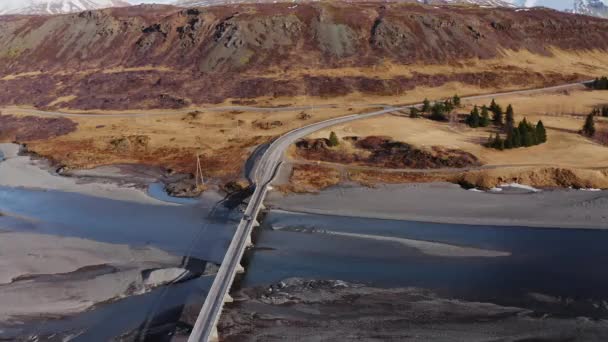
{"points": [[162, 326]]}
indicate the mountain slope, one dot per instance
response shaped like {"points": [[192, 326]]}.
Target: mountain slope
{"points": [[167, 57], [489, 3], [48, 7]]}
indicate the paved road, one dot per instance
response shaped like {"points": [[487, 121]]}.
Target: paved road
{"points": [[29, 111], [265, 170]]}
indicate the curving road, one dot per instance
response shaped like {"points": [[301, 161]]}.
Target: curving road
{"points": [[264, 172], [29, 111]]}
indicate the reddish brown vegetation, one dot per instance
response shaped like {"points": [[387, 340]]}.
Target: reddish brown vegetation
{"points": [[29, 128], [387, 153]]}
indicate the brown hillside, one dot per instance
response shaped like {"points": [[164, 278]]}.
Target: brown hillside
{"points": [[165, 57]]}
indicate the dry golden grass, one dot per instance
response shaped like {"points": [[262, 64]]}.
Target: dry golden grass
{"points": [[567, 159], [565, 147], [561, 62], [225, 139], [113, 70], [311, 178], [23, 74]]}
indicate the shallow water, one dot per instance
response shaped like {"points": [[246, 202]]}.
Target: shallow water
{"points": [[181, 230], [153, 316], [199, 230], [562, 263]]}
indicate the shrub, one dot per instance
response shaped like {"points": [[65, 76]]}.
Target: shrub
{"points": [[456, 100], [438, 112], [426, 106], [414, 113]]}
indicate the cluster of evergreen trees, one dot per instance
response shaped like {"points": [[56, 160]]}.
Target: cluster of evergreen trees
{"points": [[476, 119], [524, 135], [600, 83], [601, 111], [439, 111]]}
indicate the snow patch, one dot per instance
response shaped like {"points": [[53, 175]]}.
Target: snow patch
{"points": [[520, 186]]}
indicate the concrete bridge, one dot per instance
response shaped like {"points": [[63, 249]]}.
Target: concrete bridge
{"points": [[205, 328]]}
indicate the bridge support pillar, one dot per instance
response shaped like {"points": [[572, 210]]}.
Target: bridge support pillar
{"points": [[215, 336], [256, 223], [239, 268], [248, 243], [228, 299], [262, 206]]}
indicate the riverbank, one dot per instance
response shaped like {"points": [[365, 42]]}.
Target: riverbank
{"points": [[84, 243], [310, 310], [449, 203], [22, 171]]}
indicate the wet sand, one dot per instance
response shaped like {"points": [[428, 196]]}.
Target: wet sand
{"points": [[44, 275], [449, 203]]}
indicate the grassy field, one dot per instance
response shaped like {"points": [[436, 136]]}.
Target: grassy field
{"points": [[562, 112], [224, 139]]}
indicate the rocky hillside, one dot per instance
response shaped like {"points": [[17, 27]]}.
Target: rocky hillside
{"points": [[170, 57], [492, 3]]}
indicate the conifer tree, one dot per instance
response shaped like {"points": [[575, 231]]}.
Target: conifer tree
{"points": [[524, 132], [509, 119], [333, 139], [485, 117], [473, 119], [541, 133], [497, 113], [498, 143], [516, 140], [509, 141], [589, 126]]}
